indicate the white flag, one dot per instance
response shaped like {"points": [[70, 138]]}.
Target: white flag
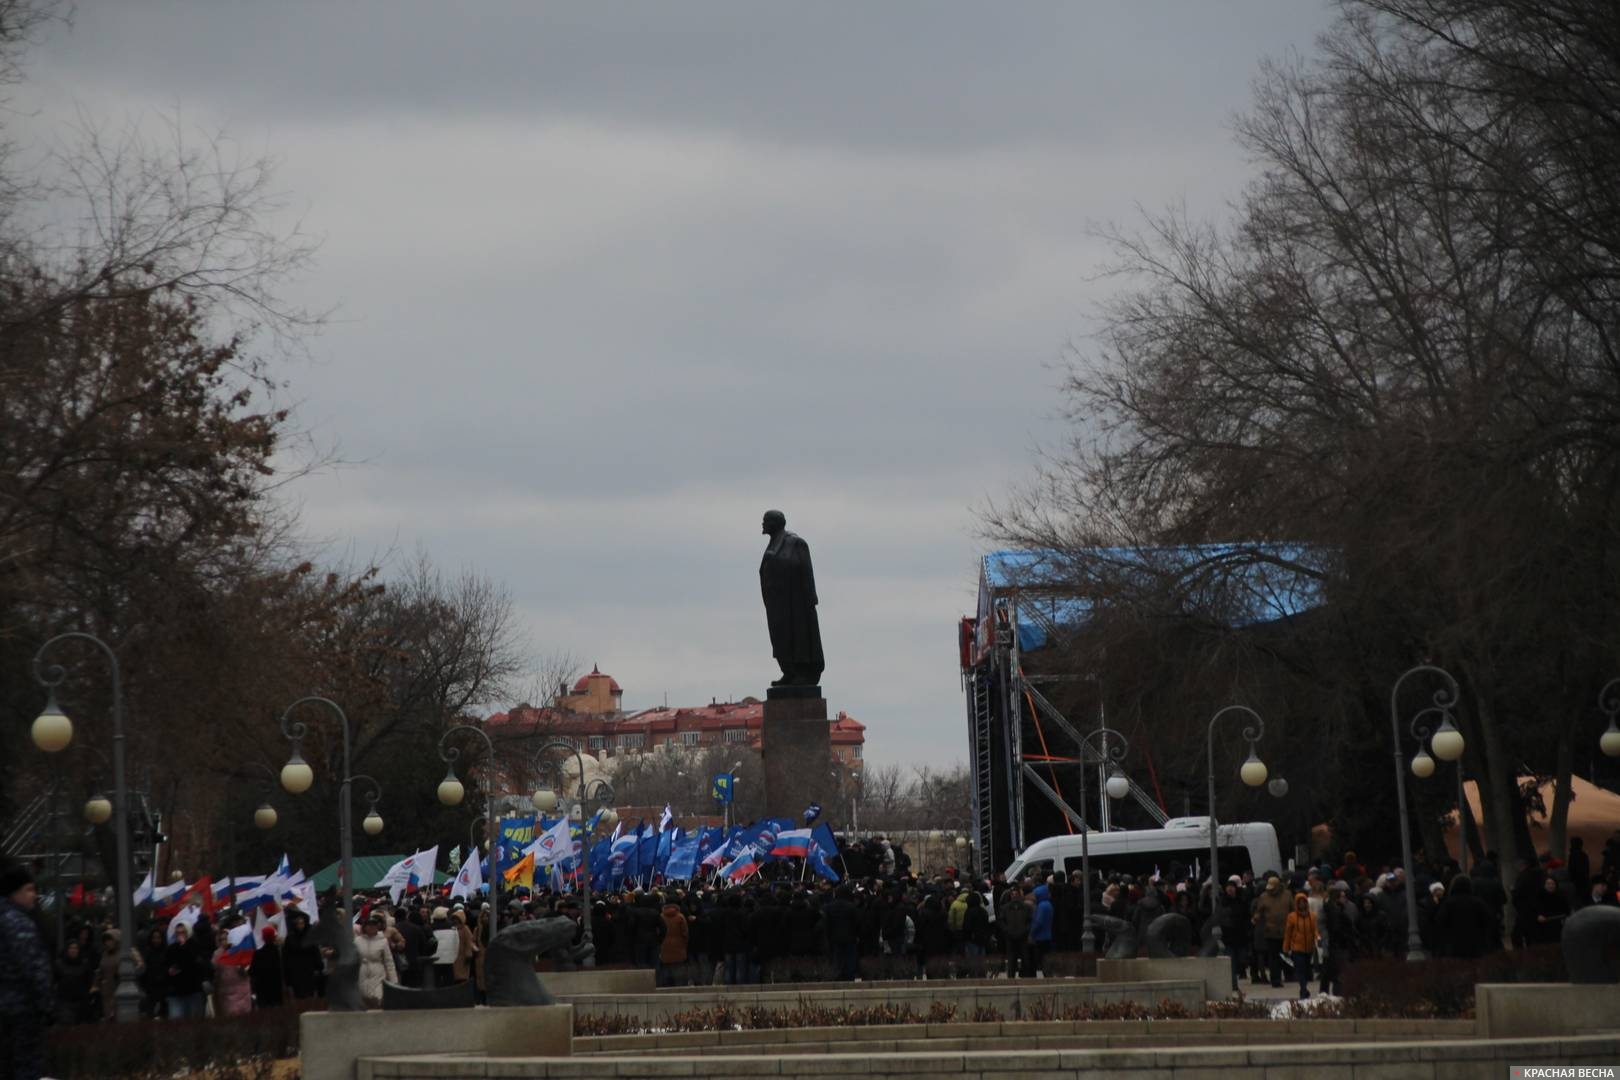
{"points": [[667, 817], [143, 892], [553, 845], [398, 876], [470, 878], [186, 917], [260, 921], [304, 900]]}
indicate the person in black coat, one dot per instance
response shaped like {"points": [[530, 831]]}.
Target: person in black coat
{"points": [[975, 935], [265, 974], [186, 968], [1548, 914], [1463, 925], [1526, 887], [736, 928], [75, 976], [645, 923], [419, 946], [932, 933], [701, 945], [301, 964], [154, 977], [841, 922], [1579, 865], [770, 934], [803, 927]]}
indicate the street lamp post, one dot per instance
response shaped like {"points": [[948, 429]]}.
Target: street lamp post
{"points": [[297, 776], [52, 731], [1609, 702], [1444, 699], [1253, 773], [451, 792], [599, 792], [1447, 744], [1111, 753]]}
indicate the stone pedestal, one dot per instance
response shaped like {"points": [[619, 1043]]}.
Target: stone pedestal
{"points": [[796, 748], [331, 1044]]}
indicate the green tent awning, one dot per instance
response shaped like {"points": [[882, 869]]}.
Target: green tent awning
{"points": [[367, 870]]}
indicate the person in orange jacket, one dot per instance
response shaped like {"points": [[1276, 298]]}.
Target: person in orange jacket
{"points": [[1299, 941]]}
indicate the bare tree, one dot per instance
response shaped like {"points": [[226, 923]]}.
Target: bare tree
{"points": [[1378, 382]]}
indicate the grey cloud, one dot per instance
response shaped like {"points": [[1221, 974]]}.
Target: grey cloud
{"points": [[614, 278], [922, 72]]}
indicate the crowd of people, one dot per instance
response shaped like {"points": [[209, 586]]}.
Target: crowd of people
{"points": [[1311, 922]]}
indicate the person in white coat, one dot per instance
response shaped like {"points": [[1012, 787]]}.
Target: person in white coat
{"points": [[376, 960]]}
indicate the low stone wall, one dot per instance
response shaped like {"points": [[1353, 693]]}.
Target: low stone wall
{"points": [[567, 985], [1515, 1010], [1215, 971], [1021, 1035], [1430, 1060], [331, 1043], [1011, 998]]}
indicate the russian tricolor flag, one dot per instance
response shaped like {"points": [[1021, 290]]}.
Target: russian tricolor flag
{"points": [[238, 946], [795, 843], [743, 865]]}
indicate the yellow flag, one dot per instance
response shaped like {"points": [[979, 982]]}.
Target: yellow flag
{"points": [[521, 873]]}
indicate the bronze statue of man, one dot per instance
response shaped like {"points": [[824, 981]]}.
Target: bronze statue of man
{"points": [[788, 584]]}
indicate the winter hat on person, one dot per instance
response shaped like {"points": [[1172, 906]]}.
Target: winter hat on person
{"points": [[13, 876], [1339, 886], [440, 913]]}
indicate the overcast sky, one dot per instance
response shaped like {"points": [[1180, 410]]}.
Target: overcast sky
{"points": [[613, 279]]}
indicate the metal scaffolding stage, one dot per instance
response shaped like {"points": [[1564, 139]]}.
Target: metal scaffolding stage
{"points": [[1023, 749]]}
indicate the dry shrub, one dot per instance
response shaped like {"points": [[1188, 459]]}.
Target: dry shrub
{"points": [[1440, 987], [233, 1048]]}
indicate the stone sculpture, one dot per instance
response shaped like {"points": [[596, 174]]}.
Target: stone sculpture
{"points": [[1121, 936], [1170, 935], [787, 581], [509, 965], [455, 996], [508, 969], [335, 937], [1591, 944]]}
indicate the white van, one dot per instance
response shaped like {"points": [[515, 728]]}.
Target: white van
{"points": [[1143, 852]]}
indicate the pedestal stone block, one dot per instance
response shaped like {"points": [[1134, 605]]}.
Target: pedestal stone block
{"points": [[331, 1044], [796, 748]]}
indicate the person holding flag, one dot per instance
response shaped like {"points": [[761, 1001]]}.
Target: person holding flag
{"points": [[233, 988]]}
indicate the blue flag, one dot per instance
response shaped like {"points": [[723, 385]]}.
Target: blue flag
{"points": [[812, 812], [514, 835], [647, 854], [666, 843], [683, 860], [817, 862]]}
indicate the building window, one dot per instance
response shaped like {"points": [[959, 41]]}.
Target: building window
{"points": [[632, 742], [598, 742], [690, 738], [736, 735], [855, 752]]}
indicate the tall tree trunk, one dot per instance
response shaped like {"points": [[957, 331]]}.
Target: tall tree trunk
{"points": [[1563, 794], [1499, 802]]}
